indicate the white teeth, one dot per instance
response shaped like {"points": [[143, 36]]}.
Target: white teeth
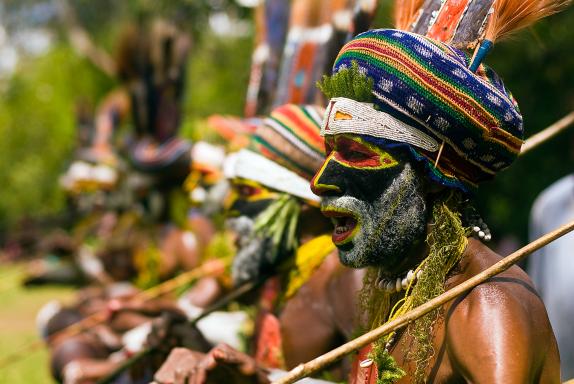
{"points": [[405, 282], [340, 229], [391, 286], [398, 285], [419, 274], [410, 275]]}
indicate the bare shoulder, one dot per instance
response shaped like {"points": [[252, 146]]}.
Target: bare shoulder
{"points": [[510, 290], [503, 319]]}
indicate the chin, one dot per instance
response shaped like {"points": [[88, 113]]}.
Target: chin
{"points": [[352, 257], [350, 260], [357, 257]]}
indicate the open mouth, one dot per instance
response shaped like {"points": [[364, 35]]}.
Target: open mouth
{"points": [[345, 224]]}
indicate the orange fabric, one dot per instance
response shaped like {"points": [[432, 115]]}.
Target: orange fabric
{"points": [[303, 67]]}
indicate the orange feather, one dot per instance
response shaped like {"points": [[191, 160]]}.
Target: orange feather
{"points": [[405, 12], [512, 15]]}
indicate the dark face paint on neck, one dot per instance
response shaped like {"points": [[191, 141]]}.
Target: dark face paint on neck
{"points": [[375, 199]]}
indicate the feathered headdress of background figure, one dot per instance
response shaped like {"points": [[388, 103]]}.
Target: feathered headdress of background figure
{"points": [[472, 24]]}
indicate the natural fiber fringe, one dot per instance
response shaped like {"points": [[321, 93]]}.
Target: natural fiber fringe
{"points": [[279, 223], [512, 15], [404, 13], [447, 241]]}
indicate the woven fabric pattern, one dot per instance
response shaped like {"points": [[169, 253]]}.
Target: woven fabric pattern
{"points": [[291, 137], [427, 84]]}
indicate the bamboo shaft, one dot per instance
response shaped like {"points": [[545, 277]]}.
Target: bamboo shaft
{"points": [[321, 362], [547, 133]]}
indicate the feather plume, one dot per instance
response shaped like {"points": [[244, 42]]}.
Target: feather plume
{"points": [[405, 11], [512, 15]]}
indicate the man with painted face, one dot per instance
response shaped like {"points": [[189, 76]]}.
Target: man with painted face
{"points": [[305, 305], [409, 131]]}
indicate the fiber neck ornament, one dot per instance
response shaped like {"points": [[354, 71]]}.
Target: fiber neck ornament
{"points": [[349, 116]]}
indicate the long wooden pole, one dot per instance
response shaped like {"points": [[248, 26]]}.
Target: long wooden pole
{"points": [[547, 133], [304, 370], [82, 43]]}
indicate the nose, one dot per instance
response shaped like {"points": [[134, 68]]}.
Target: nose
{"points": [[324, 183]]}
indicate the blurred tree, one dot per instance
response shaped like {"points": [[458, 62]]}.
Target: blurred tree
{"points": [[37, 127], [537, 67]]}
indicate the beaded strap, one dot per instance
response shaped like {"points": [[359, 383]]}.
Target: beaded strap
{"points": [[350, 116]]}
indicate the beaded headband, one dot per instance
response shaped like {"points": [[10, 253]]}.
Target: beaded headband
{"points": [[349, 116]]}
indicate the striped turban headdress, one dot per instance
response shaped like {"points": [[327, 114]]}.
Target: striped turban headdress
{"points": [[285, 151], [291, 137], [425, 97]]}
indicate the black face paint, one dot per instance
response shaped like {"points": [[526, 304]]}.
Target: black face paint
{"points": [[375, 199], [248, 208], [248, 199]]}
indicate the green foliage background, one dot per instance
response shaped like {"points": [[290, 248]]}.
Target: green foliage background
{"points": [[37, 126], [37, 130]]}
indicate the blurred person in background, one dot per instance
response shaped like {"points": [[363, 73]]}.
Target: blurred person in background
{"points": [[551, 267]]}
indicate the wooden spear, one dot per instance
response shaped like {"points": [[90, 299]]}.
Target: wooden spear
{"points": [[304, 370], [547, 133]]}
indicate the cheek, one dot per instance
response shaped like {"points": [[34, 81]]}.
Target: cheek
{"points": [[366, 185]]}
